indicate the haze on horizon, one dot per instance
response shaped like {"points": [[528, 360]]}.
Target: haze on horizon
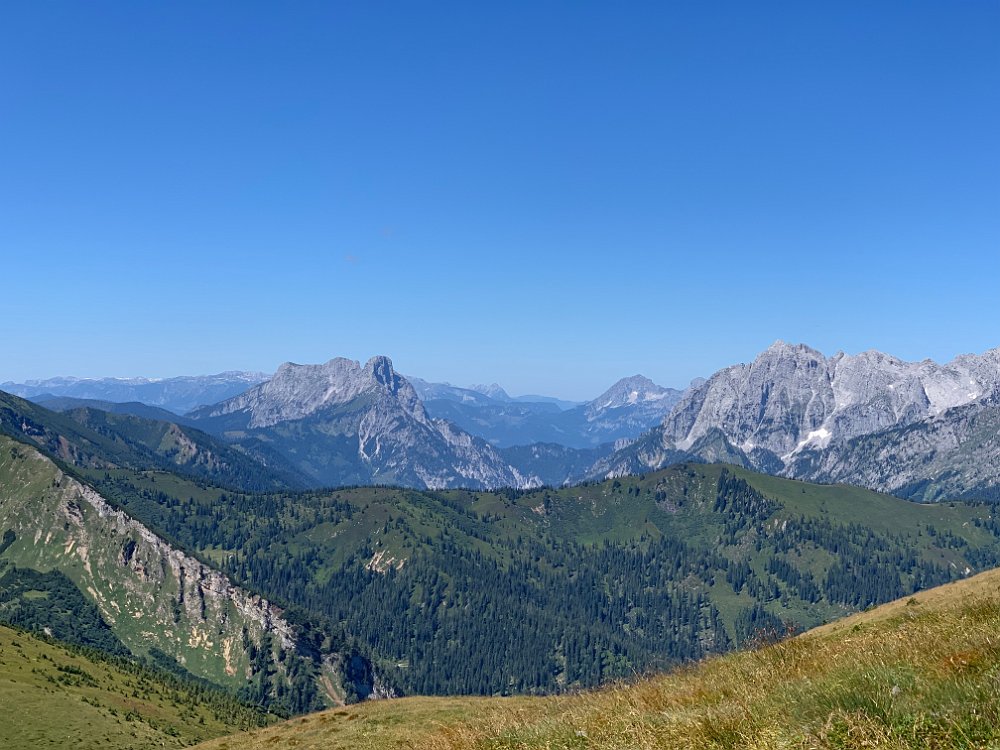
{"points": [[547, 197]]}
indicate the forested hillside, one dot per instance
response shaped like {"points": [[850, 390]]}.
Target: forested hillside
{"points": [[87, 437], [477, 592]]}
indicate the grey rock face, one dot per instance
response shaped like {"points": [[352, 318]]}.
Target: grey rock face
{"points": [[347, 423], [296, 391], [792, 397], [870, 419], [955, 454]]}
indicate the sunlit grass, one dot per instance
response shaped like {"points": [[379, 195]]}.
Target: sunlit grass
{"points": [[923, 672]]}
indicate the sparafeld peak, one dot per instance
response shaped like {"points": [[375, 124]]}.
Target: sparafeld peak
{"points": [[493, 390], [637, 392]]}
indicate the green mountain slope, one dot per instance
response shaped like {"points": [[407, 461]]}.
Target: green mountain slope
{"points": [[62, 539], [917, 673], [87, 437], [58, 696], [485, 592], [135, 408]]}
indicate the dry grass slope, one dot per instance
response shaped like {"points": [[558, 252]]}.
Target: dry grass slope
{"points": [[57, 697], [918, 673]]}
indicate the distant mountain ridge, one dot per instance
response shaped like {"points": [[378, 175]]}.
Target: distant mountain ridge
{"points": [[919, 429], [179, 394], [485, 395], [101, 439], [626, 410]]}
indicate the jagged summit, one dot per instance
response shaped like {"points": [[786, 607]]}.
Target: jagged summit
{"points": [[348, 423], [630, 391], [792, 396], [794, 411], [296, 391], [380, 370], [493, 390]]}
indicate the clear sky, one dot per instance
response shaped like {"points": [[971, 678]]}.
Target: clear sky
{"points": [[549, 195]]}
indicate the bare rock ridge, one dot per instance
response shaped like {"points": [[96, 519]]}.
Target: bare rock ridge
{"points": [[296, 391], [359, 423], [792, 397], [796, 412]]}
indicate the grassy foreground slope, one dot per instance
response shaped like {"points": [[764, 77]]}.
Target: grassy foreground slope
{"points": [[53, 696], [921, 672]]}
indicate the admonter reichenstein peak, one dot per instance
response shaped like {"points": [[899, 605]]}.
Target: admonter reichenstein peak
{"points": [[792, 397]]}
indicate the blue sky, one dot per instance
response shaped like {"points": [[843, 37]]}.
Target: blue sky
{"points": [[549, 195]]}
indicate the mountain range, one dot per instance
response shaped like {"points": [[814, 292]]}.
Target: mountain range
{"points": [[346, 423], [178, 395], [298, 599], [919, 429], [207, 547], [630, 407], [915, 428]]}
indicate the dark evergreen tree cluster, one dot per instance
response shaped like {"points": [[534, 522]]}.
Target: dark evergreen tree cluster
{"points": [[51, 603]]}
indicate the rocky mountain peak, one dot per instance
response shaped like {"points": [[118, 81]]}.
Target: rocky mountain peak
{"points": [[297, 391], [792, 397], [361, 423], [493, 390], [638, 393], [630, 390], [784, 348], [380, 370], [783, 352]]}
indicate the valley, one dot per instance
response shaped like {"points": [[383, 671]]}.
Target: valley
{"points": [[321, 539]]}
